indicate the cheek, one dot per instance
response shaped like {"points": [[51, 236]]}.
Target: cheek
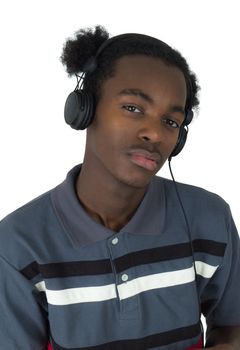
{"points": [[113, 127], [120, 136], [108, 138]]}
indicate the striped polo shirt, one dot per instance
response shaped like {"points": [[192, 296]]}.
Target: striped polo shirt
{"points": [[67, 278]]}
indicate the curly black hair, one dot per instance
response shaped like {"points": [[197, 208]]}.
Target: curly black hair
{"points": [[80, 50]]}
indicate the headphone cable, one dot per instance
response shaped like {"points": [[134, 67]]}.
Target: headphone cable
{"points": [[190, 241]]}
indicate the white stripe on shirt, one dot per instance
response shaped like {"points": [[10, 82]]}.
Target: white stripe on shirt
{"points": [[127, 289]]}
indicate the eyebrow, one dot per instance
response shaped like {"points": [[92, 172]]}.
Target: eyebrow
{"points": [[137, 92], [149, 99], [175, 108]]}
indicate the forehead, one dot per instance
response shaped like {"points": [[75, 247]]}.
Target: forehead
{"points": [[149, 74]]}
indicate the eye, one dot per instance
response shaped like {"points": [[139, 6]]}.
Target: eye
{"points": [[132, 109], [171, 123]]}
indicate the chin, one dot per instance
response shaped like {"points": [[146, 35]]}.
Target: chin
{"points": [[135, 179], [131, 175]]}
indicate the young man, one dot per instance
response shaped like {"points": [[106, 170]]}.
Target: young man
{"points": [[116, 257]]}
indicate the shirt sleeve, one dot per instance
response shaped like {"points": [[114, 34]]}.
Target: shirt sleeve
{"points": [[224, 307], [23, 323]]}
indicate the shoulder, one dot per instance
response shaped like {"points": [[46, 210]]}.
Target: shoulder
{"points": [[22, 228], [27, 213], [208, 213], [192, 194]]}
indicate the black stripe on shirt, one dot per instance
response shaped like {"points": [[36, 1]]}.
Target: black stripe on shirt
{"points": [[160, 339], [76, 268], [153, 255], [171, 252], [142, 257], [31, 270], [209, 247], [67, 269]]}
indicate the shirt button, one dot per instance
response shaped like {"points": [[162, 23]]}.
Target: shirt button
{"points": [[124, 277], [115, 241]]}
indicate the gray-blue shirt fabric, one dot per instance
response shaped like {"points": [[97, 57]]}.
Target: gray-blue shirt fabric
{"points": [[64, 276]]}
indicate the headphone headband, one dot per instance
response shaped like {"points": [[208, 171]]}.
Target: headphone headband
{"points": [[91, 64]]}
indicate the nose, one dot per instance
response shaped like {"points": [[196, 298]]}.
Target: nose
{"points": [[151, 131]]}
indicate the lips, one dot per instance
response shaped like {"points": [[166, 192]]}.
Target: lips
{"points": [[145, 159]]}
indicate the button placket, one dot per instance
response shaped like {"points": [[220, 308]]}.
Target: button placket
{"points": [[112, 246], [129, 307]]}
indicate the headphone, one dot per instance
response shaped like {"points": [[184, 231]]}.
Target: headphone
{"points": [[79, 108]]}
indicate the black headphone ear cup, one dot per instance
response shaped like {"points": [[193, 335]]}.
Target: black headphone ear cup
{"points": [[182, 138], [79, 109], [189, 117]]}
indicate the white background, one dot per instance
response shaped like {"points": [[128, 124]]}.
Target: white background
{"points": [[38, 148]]}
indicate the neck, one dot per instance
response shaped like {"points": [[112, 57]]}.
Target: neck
{"points": [[108, 201]]}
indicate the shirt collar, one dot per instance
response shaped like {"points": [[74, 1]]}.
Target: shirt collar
{"points": [[147, 220]]}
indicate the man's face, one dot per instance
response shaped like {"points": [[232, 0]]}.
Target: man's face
{"points": [[137, 120]]}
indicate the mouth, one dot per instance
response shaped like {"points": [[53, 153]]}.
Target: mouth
{"points": [[144, 159]]}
